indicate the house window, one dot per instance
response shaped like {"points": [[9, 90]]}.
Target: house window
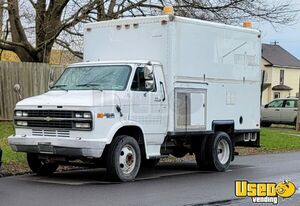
{"points": [[281, 79], [276, 95]]}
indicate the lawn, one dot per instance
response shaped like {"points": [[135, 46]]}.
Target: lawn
{"points": [[273, 140], [12, 161], [279, 139]]}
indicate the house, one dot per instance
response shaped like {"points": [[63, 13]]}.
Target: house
{"points": [[282, 73]]}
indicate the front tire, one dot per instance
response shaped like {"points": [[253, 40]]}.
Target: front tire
{"points": [[123, 159], [40, 167]]}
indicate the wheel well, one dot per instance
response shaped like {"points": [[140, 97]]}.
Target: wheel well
{"points": [[224, 127], [136, 133]]}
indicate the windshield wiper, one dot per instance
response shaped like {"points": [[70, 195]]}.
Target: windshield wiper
{"points": [[61, 86], [93, 85]]}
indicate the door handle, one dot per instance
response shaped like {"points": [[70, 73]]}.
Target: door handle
{"points": [[163, 88], [277, 110], [296, 110], [157, 99]]}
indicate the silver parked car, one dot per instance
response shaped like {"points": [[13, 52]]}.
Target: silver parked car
{"points": [[280, 111]]}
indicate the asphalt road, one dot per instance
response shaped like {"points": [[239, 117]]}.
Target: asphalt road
{"points": [[169, 184]]}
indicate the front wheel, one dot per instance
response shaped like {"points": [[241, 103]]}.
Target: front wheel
{"points": [[40, 167], [123, 159]]}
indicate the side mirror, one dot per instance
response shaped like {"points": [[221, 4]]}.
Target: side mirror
{"points": [[51, 75], [266, 106], [17, 89], [148, 72], [149, 84], [51, 78], [50, 85]]}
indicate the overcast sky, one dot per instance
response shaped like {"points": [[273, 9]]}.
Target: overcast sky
{"points": [[287, 36]]}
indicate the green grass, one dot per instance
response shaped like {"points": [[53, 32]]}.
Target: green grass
{"points": [[279, 139], [9, 156]]}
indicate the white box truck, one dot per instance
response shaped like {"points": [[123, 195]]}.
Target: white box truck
{"points": [[149, 87]]}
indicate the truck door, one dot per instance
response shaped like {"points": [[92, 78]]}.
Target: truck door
{"points": [[149, 108], [272, 111], [289, 111]]}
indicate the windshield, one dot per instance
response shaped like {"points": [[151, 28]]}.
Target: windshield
{"points": [[112, 77]]}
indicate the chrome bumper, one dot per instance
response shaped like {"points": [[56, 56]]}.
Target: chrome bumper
{"points": [[57, 146]]}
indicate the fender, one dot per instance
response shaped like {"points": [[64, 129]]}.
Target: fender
{"points": [[113, 130]]}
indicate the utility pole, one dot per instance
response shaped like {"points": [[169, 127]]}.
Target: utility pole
{"points": [[1, 18], [1, 23], [298, 114]]}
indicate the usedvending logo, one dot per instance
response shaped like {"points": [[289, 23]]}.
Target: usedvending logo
{"points": [[264, 192]]}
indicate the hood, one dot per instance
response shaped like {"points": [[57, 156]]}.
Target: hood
{"points": [[86, 98]]}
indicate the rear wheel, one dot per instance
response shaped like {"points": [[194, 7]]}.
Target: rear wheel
{"points": [[41, 167], [218, 153], [123, 159]]}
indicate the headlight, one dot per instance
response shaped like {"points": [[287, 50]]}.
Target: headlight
{"points": [[78, 115], [21, 123], [21, 114], [85, 115], [83, 125]]}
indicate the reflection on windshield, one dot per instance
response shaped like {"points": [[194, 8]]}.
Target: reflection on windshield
{"points": [[113, 77]]}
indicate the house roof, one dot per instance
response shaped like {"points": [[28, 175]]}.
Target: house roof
{"points": [[281, 87], [278, 56]]}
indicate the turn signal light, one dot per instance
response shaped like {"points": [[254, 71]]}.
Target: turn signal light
{"points": [[247, 24]]}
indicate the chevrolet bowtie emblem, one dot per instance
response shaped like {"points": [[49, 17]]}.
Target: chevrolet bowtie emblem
{"points": [[48, 119]]}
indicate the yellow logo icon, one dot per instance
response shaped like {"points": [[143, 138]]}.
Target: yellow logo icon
{"points": [[285, 189], [264, 192]]}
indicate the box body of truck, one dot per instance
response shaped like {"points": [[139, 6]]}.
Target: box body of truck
{"points": [[216, 66], [153, 86]]}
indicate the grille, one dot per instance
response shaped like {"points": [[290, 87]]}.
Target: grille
{"points": [[57, 119], [51, 133], [50, 113], [54, 124]]}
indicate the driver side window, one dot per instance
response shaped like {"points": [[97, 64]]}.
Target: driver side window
{"points": [[139, 81], [276, 104]]}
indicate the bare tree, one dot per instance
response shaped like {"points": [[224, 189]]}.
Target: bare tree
{"points": [[36, 26], [48, 25]]}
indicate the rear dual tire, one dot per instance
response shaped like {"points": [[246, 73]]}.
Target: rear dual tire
{"points": [[218, 153]]}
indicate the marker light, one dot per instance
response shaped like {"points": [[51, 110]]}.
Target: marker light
{"points": [[247, 24], [105, 115], [168, 10]]}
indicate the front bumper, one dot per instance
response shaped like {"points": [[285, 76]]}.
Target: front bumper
{"points": [[57, 146]]}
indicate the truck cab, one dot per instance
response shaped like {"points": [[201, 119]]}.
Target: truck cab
{"points": [[89, 105]]}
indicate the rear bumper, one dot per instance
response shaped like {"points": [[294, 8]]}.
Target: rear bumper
{"points": [[57, 146]]}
